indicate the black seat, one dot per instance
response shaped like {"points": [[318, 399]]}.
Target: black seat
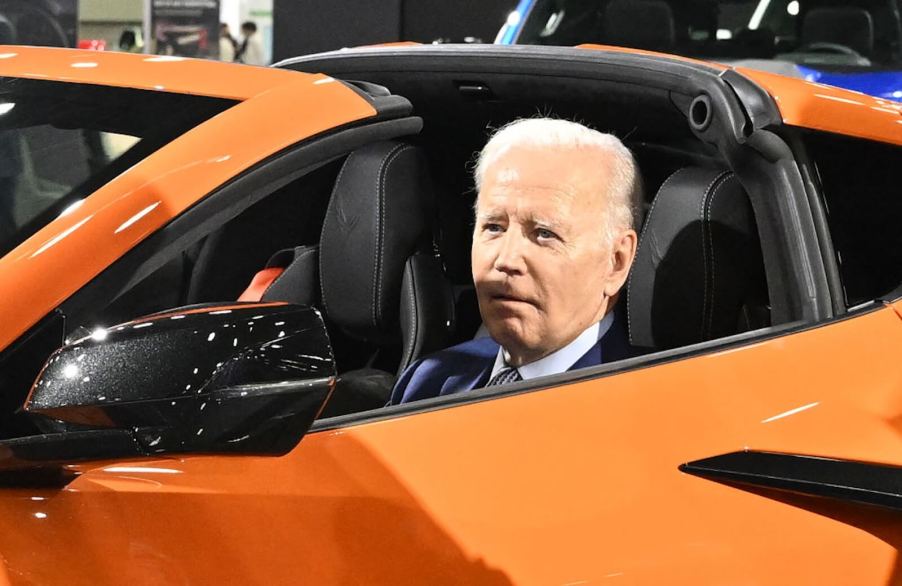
{"points": [[760, 43], [640, 24], [840, 25], [699, 272], [7, 31], [374, 275]]}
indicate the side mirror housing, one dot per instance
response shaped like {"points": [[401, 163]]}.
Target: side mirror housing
{"points": [[236, 378]]}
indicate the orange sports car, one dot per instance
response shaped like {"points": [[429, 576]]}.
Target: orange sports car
{"points": [[211, 275]]}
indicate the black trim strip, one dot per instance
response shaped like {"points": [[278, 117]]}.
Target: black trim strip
{"points": [[845, 480], [791, 135]]}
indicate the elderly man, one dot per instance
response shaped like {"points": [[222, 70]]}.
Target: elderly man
{"points": [[552, 246]]}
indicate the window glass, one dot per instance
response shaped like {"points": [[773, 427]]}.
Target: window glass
{"points": [[59, 142], [861, 186]]}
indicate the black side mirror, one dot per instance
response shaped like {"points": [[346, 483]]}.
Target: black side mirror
{"points": [[238, 378]]}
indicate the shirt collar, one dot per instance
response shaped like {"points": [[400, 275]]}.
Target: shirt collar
{"points": [[560, 360]]}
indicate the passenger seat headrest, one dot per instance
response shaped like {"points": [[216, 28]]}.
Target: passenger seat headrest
{"points": [[849, 26], [640, 24], [698, 266], [379, 216]]}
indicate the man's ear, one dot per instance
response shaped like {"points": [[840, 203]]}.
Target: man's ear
{"points": [[623, 252]]}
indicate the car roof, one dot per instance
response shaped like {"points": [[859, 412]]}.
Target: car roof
{"points": [[140, 71]]}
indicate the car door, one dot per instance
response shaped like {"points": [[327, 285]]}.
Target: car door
{"points": [[579, 481]]}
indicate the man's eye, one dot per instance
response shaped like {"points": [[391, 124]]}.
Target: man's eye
{"points": [[493, 228], [545, 234]]}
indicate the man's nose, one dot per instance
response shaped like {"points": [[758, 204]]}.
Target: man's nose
{"points": [[509, 258]]}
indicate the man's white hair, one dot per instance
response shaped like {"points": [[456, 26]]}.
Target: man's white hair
{"points": [[625, 189]]}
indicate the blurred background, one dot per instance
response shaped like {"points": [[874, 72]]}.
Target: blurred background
{"points": [[856, 44], [283, 28]]}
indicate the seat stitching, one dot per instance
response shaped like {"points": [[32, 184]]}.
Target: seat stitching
{"points": [[322, 274], [706, 241], [717, 189], [380, 243], [413, 316], [651, 210]]}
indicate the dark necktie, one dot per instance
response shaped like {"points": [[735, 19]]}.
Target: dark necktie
{"points": [[506, 375]]}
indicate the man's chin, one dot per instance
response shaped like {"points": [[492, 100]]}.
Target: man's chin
{"points": [[510, 334]]}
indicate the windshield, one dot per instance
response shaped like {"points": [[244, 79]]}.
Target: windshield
{"points": [[59, 142], [786, 36]]}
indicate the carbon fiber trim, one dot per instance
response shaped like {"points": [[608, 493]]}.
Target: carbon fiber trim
{"points": [[845, 480]]}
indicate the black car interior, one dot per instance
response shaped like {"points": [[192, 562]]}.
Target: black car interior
{"points": [[698, 273], [642, 24], [848, 26], [823, 32]]}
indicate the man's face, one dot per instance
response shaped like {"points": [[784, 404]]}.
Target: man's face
{"points": [[542, 269]]}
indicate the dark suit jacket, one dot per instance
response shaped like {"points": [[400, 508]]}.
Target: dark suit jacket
{"points": [[467, 366]]}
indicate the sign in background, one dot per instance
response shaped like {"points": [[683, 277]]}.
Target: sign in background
{"points": [[186, 28]]}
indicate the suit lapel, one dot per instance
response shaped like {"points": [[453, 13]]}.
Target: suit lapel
{"points": [[614, 345], [472, 379], [590, 358], [475, 373]]}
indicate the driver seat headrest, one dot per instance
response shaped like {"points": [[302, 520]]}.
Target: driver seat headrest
{"points": [[378, 218], [699, 272], [375, 274], [842, 25]]}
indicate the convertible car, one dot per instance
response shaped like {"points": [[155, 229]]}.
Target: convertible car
{"points": [[211, 275]]}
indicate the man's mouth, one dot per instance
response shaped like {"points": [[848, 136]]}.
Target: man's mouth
{"points": [[509, 298]]}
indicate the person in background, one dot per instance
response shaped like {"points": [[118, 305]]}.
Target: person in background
{"points": [[250, 50], [227, 43], [128, 42]]}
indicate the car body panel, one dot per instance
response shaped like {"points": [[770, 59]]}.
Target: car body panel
{"points": [[137, 203], [881, 84], [588, 469], [897, 306], [811, 105], [149, 72], [823, 107]]}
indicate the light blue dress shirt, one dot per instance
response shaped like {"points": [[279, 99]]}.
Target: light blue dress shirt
{"points": [[560, 360]]}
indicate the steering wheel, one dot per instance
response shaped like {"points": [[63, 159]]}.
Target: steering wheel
{"points": [[829, 48]]}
